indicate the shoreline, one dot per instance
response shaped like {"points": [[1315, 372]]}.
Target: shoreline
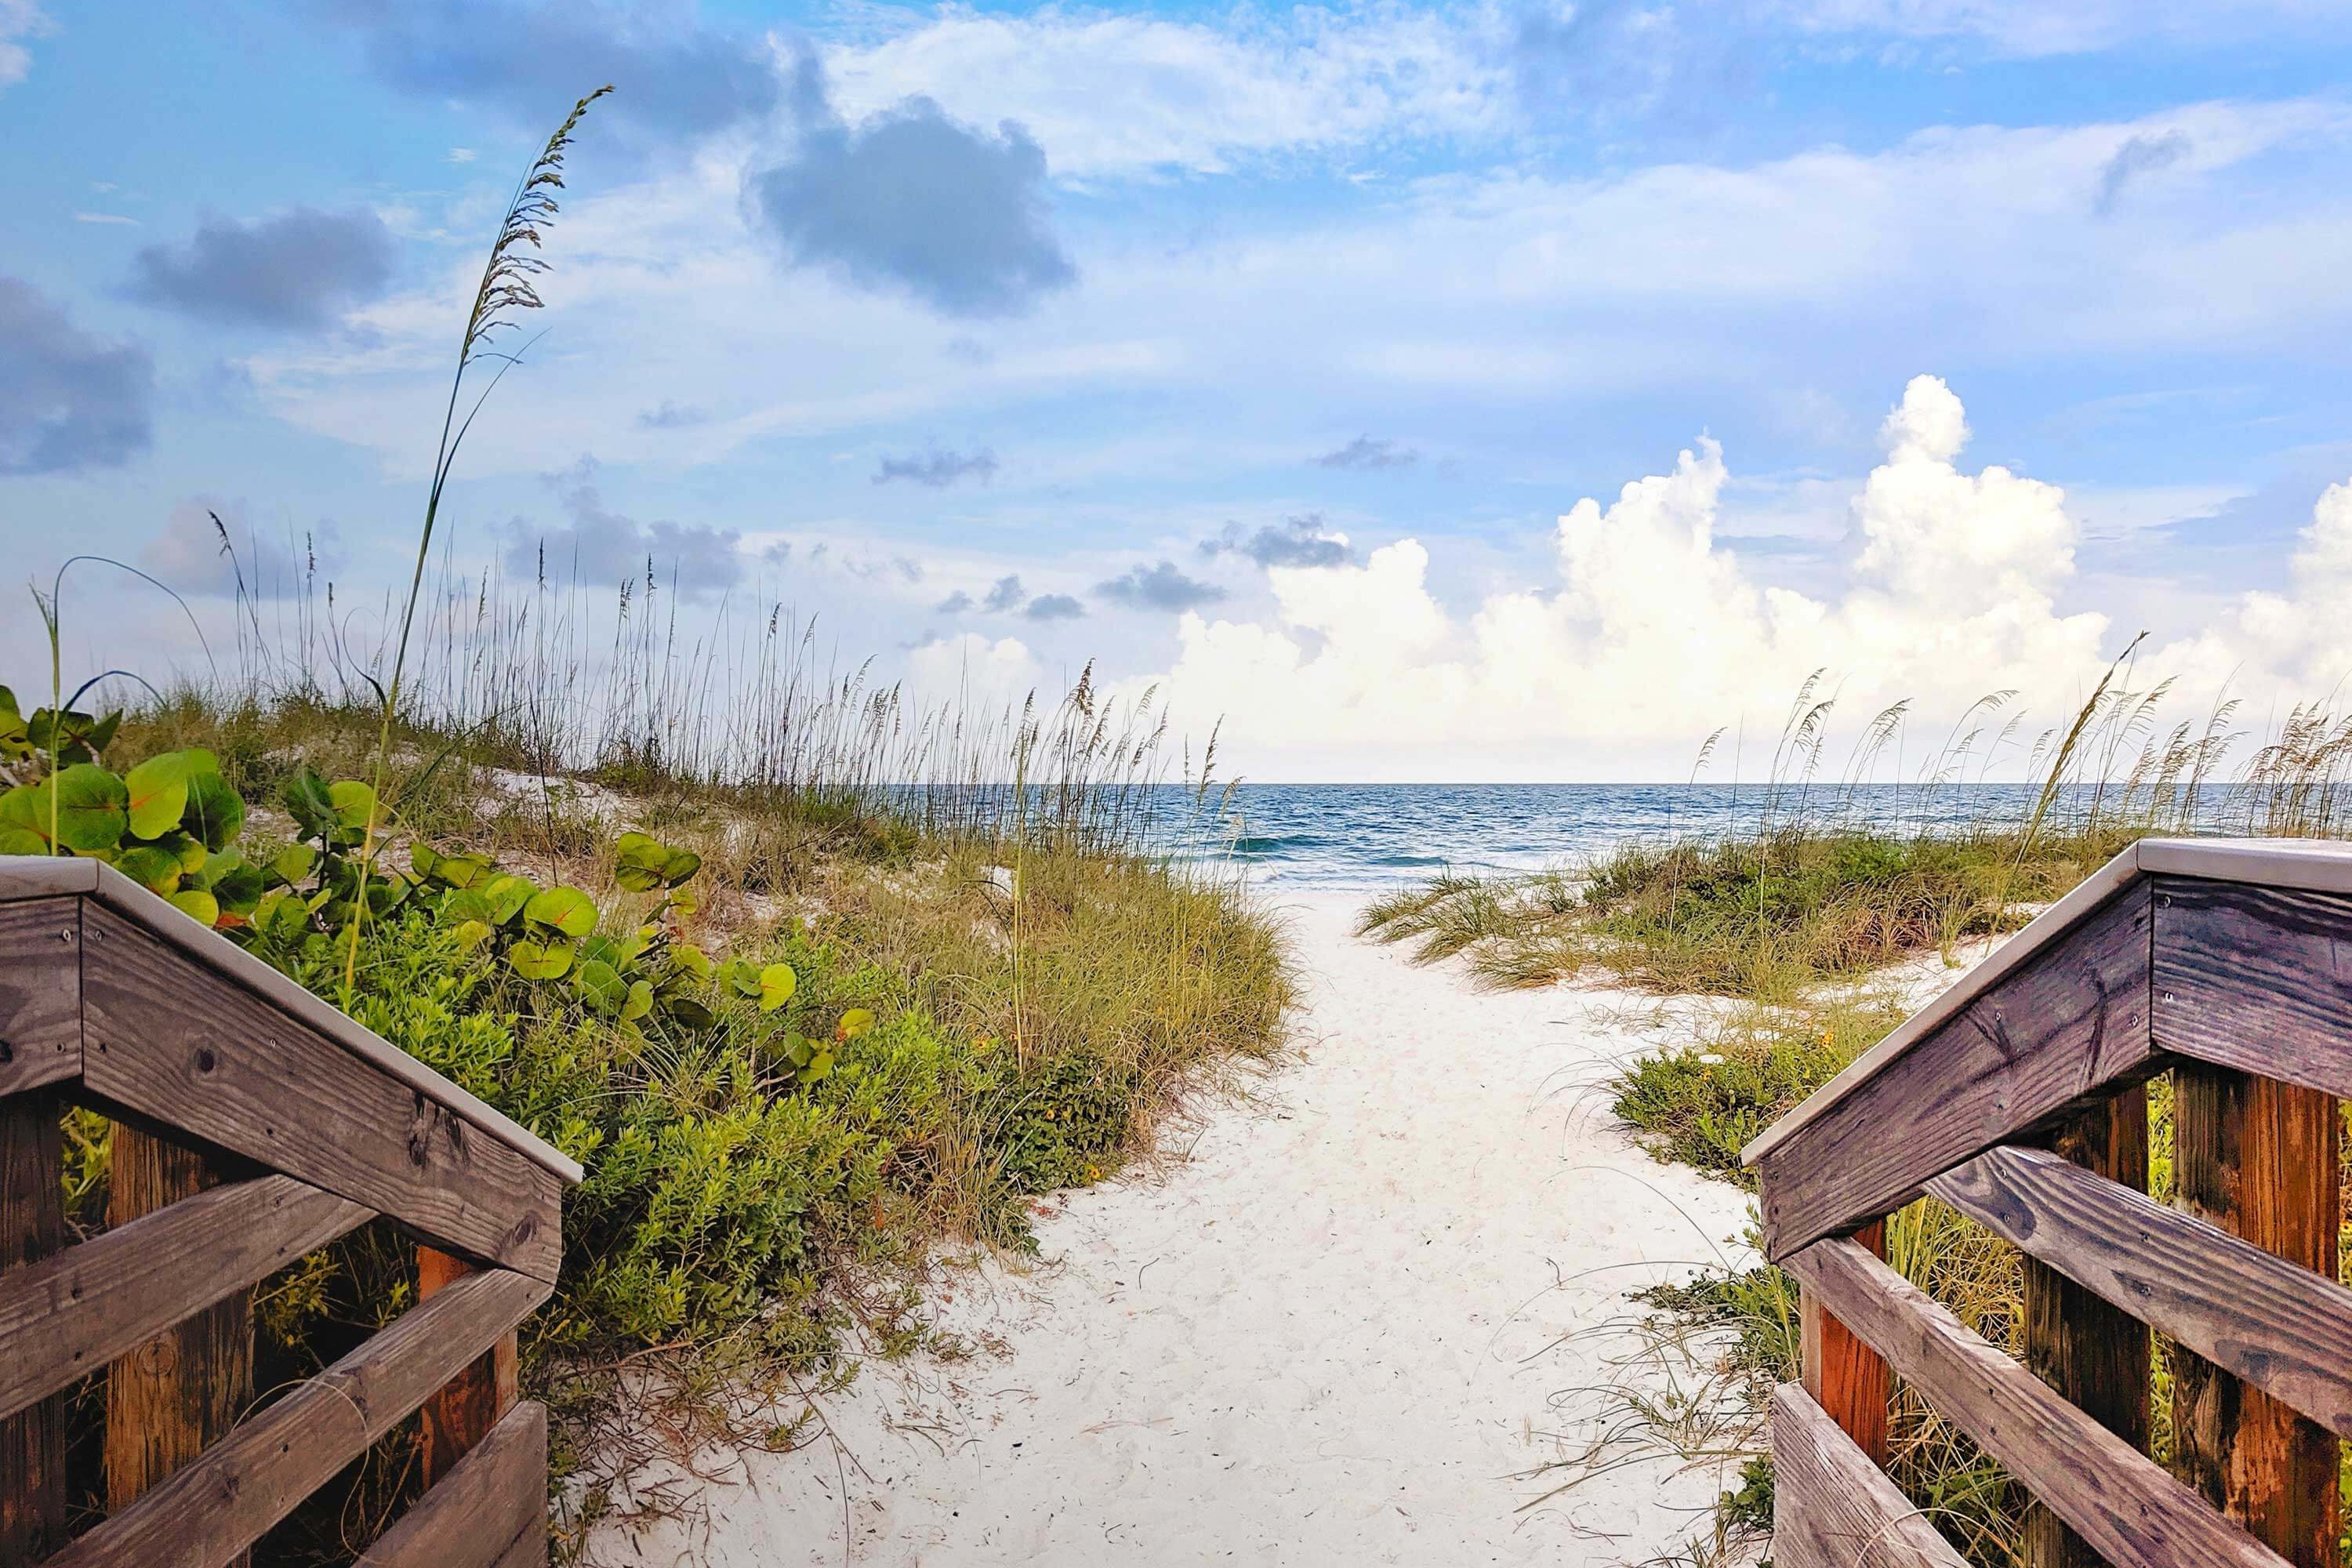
{"points": [[1353, 1316]]}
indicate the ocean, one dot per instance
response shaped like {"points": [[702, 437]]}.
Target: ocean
{"points": [[1341, 835]]}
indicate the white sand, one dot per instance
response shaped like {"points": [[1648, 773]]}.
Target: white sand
{"points": [[1349, 1325]]}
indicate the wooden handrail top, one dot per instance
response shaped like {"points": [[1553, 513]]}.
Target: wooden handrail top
{"points": [[40, 877], [2308, 865]]}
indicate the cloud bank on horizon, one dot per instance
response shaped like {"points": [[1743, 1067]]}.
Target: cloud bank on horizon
{"points": [[1248, 356]]}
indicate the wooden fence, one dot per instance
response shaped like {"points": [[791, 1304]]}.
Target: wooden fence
{"points": [[2020, 1098], [253, 1124]]}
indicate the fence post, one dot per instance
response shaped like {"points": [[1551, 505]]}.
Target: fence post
{"points": [[2094, 1354], [463, 1411], [2258, 1158], [32, 1226], [187, 1386], [1851, 1382]]}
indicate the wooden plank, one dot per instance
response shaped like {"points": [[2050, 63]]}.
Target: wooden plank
{"points": [[2254, 978], [127, 901], [2258, 1317], [2045, 930], [70, 1314], [462, 1413], [2118, 1499], [1843, 1376], [41, 993], [46, 877], [1832, 1506], [2258, 1158], [214, 1508], [32, 1228], [490, 1505], [168, 1398], [174, 1039], [2095, 1355], [2053, 1033]]}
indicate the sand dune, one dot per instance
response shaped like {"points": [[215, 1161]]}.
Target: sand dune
{"points": [[1342, 1326]]}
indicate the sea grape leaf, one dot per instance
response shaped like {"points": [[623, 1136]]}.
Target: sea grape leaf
{"points": [[198, 904], [777, 983], [853, 1023], [639, 859], [540, 960], [740, 977], [158, 792], [507, 895], [308, 802], [214, 814], [601, 984], [563, 908], [92, 807], [294, 863], [354, 804], [157, 870]]}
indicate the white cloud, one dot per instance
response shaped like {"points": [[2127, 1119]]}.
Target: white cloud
{"points": [[19, 20], [1188, 95], [1654, 634], [2040, 28], [975, 674]]}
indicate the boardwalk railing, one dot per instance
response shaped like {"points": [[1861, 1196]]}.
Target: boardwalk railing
{"points": [[254, 1123], [2020, 1098]]}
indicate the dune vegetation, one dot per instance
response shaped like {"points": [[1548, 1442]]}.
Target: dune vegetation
{"points": [[821, 988], [1805, 938]]}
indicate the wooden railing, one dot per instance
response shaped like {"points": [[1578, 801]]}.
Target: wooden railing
{"points": [[253, 1124], [2019, 1098]]}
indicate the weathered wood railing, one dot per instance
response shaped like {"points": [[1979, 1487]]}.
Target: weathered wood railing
{"points": [[2020, 1098], [254, 1123]]}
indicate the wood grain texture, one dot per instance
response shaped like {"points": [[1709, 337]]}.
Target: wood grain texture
{"points": [[176, 1041], [1832, 1506], [2257, 1158], [2130, 1511], [1843, 1376], [70, 1314], [462, 1412], [2256, 978], [32, 1228], [2053, 1033], [214, 1508], [489, 1510], [41, 993], [2256, 1316], [2093, 1354], [169, 1397]]}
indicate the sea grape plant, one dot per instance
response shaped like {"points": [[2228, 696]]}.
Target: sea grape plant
{"points": [[168, 824]]}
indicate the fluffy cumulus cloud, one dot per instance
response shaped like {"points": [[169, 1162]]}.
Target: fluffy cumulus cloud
{"points": [[297, 270], [68, 401], [1655, 633], [1294, 541], [1053, 607], [603, 548], [911, 199]]}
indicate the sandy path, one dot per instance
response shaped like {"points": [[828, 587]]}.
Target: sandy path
{"points": [[1332, 1332]]}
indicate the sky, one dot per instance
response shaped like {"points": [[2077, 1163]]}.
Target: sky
{"points": [[1501, 391]]}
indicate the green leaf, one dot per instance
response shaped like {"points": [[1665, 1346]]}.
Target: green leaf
{"points": [[92, 806], [236, 883], [15, 840], [740, 977], [507, 895], [690, 959], [470, 934], [540, 960], [190, 853], [294, 864], [853, 1023], [26, 809], [639, 1003], [197, 904], [563, 908], [158, 791], [683, 863], [600, 985], [690, 1011], [639, 859], [307, 802], [216, 813], [157, 870], [354, 803], [777, 983], [820, 1067]]}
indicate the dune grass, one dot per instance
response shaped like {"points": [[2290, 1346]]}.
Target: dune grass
{"points": [[1792, 926]]}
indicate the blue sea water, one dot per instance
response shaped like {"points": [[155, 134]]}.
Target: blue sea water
{"points": [[1345, 836]]}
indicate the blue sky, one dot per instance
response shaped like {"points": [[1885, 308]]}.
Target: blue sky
{"points": [[1272, 352]]}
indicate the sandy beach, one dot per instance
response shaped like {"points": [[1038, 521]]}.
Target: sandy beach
{"points": [[1351, 1320]]}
